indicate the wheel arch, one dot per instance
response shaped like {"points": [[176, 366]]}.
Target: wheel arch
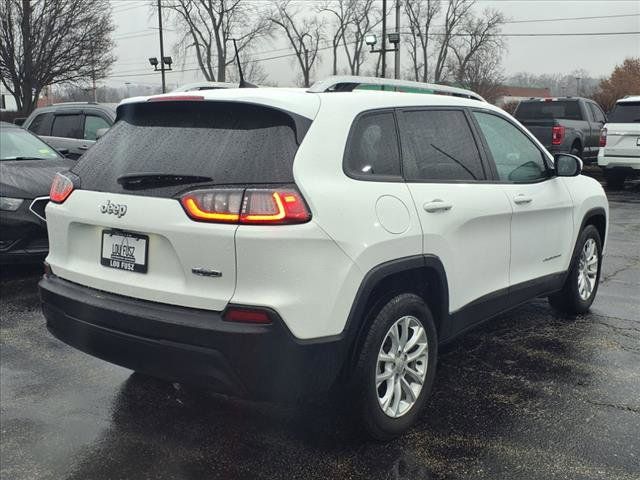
{"points": [[598, 218], [423, 275]]}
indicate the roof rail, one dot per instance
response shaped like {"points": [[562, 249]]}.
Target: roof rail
{"points": [[75, 103], [347, 83]]}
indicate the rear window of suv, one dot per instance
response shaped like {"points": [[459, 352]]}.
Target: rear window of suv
{"points": [[625, 112], [230, 142], [562, 109]]}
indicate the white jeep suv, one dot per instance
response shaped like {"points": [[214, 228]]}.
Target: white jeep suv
{"points": [[273, 243], [619, 154]]}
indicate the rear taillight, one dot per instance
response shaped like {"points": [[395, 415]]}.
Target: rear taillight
{"points": [[255, 206], [61, 188], [603, 137], [557, 135], [247, 315]]}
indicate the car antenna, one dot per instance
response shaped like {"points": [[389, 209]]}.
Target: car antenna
{"points": [[243, 83]]}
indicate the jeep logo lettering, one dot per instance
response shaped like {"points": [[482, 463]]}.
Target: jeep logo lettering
{"points": [[113, 208]]}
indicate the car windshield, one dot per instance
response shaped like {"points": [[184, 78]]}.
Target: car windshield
{"points": [[625, 112], [18, 144], [562, 109]]}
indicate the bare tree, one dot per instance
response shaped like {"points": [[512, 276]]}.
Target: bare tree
{"points": [[304, 34], [50, 42], [252, 72], [457, 12], [342, 12], [208, 26], [479, 38], [421, 14], [365, 17]]}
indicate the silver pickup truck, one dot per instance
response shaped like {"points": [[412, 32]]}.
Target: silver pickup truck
{"points": [[564, 124]]}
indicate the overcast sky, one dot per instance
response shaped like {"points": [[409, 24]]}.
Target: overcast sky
{"points": [[137, 39]]}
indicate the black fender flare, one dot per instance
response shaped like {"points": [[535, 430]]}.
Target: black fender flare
{"points": [[354, 327]]}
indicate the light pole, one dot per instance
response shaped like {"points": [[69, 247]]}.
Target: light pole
{"points": [[162, 57], [394, 39], [397, 54]]}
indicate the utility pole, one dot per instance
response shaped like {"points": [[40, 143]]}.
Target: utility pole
{"points": [[578, 86], [383, 49], [164, 87], [397, 52], [93, 79]]}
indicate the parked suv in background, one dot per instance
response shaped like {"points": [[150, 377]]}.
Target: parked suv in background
{"points": [[566, 124], [273, 243], [619, 154], [71, 127]]}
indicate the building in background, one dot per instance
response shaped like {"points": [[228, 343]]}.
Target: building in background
{"points": [[7, 102], [516, 94]]}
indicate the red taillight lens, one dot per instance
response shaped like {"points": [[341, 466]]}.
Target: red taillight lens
{"points": [[255, 206], [246, 315], [603, 137], [557, 135], [61, 188]]}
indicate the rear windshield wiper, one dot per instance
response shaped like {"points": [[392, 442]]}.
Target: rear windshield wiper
{"points": [[27, 158], [140, 181]]}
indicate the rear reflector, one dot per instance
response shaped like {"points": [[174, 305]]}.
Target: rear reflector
{"points": [[244, 315], [61, 188], [253, 206]]}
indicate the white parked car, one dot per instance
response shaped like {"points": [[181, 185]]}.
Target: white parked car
{"points": [[274, 243], [619, 154]]}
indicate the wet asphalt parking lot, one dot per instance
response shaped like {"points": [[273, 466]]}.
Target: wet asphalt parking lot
{"points": [[529, 395]]}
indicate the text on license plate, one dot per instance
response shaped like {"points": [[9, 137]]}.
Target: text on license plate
{"points": [[124, 250]]}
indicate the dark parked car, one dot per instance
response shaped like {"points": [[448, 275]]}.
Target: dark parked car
{"points": [[27, 167], [71, 126], [564, 125]]}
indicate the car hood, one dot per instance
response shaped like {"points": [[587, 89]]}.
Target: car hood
{"points": [[29, 178]]}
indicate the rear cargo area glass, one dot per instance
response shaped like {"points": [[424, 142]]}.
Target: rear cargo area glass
{"points": [[625, 112], [230, 142]]}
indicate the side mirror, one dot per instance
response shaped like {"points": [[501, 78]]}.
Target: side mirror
{"points": [[567, 165], [19, 121], [100, 132]]}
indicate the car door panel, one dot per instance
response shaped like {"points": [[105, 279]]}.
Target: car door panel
{"points": [[465, 220], [542, 220]]}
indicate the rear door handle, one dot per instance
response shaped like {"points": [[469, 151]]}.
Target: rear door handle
{"points": [[437, 205], [522, 199]]}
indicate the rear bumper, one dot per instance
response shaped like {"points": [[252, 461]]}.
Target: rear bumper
{"points": [[190, 345], [23, 237], [627, 162]]}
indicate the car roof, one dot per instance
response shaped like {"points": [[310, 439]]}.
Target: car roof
{"points": [[629, 98], [307, 104]]}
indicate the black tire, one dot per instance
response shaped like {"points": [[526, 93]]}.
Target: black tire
{"points": [[576, 150], [568, 300], [378, 424], [615, 179]]}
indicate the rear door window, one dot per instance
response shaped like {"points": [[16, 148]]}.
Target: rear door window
{"points": [[67, 126], [596, 113], [438, 145], [233, 143], [372, 150]]}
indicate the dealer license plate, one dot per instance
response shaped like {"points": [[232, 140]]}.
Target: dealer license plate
{"points": [[124, 250]]}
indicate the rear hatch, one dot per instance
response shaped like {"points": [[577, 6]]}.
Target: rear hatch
{"points": [[623, 131], [123, 229]]}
